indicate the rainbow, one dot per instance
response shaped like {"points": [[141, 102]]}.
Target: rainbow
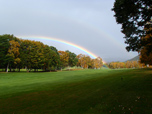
{"points": [[64, 42]]}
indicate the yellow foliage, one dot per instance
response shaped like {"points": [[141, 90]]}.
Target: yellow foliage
{"points": [[13, 51], [64, 57], [85, 61]]}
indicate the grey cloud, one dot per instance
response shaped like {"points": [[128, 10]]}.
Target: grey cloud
{"points": [[85, 23]]}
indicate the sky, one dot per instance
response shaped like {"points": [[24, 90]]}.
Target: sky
{"points": [[86, 23]]}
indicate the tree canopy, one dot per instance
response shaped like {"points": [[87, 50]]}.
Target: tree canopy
{"points": [[17, 53], [72, 59], [134, 15]]}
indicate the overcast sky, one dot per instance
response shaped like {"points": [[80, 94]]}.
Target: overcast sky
{"points": [[87, 23]]}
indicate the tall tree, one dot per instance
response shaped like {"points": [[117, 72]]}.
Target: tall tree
{"points": [[133, 15], [13, 53], [55, 58], [37, 54], [144, 57], [64, 58], [80, 60], [72, 59], [84, 61], [87, 62], [32, 54], [25, 47], [145, 52], [4, 47], [97, 63]]}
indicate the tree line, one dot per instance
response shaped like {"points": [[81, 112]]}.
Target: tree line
{"points": [[128, 64], [17, 53]]}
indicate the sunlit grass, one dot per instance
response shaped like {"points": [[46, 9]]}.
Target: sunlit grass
{"points": [[77, 92]]}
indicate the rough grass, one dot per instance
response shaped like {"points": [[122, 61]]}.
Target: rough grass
{"points": [[77, 92]]}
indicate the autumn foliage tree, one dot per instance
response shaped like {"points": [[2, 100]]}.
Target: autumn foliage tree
{"points": [[86, 62], [144, 57], [36, 55], [13, 53], [80, 60], [19, 53], [145, 52], [64, 58], [97, 63], [128, 64]]}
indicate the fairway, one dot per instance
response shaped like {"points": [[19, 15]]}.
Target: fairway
{"points": [[77, 92]]}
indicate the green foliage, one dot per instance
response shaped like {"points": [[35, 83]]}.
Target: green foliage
{"points": [[24, 53], [133, 15], [54, 49], [27, 54], [4, 45], [77, 92], [55, 58], [72, 59], [18, 53], [5, 58]]}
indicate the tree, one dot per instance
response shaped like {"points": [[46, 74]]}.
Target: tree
{"points": [[97, 63], [84, 61], [64, 58], [128, 64], [122, 65], [13, 53], [47, 59], [32, 54], [4, 47], [37, 54], [147, 40], [55, 61], [72, 59], [134, 15], [25, 47], [87, 61], [145, 52], [55, 58], [54, 49], [144, 57], [80, 60], [112, 65], [135, 64]]}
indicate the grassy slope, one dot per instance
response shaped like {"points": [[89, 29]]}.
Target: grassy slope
{"points": [[75, 92]]}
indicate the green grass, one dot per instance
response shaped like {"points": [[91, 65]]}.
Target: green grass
{"points": [[77, 92]]}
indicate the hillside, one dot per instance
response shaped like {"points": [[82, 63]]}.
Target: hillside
{"points": [[136, 58]]}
